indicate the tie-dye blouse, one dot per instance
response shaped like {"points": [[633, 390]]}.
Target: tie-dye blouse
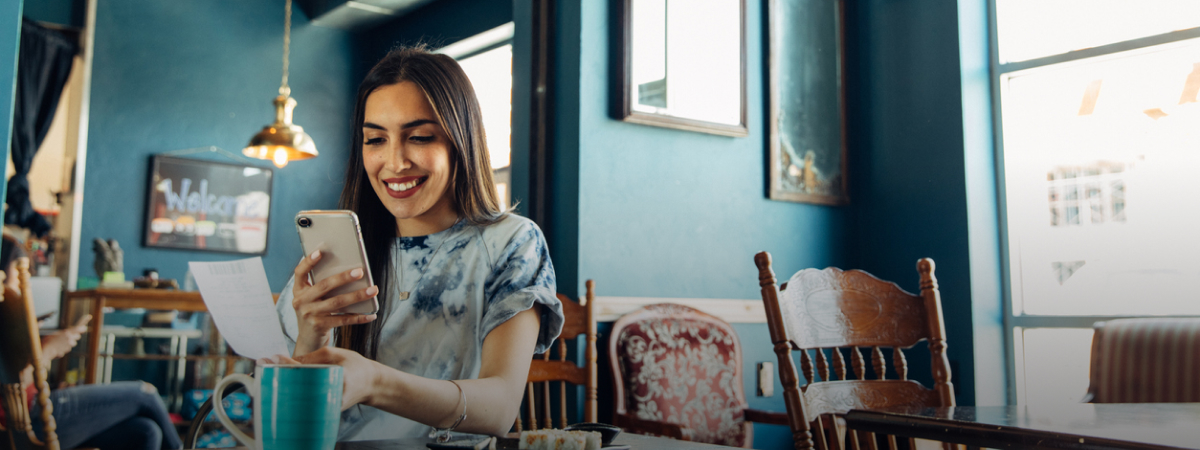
{"points": [[464, 282]]}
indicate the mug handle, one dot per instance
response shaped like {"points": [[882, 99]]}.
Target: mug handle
{"points": [[219, 408]]}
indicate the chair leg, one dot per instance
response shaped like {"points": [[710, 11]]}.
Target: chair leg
{"points": [[822, 435]]}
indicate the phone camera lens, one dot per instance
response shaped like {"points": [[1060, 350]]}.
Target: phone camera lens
{"points": [[304, 222]]}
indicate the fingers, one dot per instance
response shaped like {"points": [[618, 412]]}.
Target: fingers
{"points": [[305, 266], [312, 292], [324, 355], [333, 304], [324, 286], [331, 322], [83, 321], [276, 359]]}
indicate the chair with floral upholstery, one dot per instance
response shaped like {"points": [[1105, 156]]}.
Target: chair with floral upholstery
{"points": [[678, 373]]}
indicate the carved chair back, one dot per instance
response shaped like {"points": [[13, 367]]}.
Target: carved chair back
{"points": [[677, 372], [1145, 361], [830, 314], [20, 347], [580, 321]]}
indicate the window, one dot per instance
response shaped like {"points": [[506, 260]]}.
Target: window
{"points": [[1098, 113], [487, 60]]}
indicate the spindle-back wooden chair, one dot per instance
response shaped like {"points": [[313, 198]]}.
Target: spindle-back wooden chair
{"points": [[579, 321], [831, 312], [20, 347]]}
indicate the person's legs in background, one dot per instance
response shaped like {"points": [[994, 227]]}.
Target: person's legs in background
{"points": [[86, 412]]}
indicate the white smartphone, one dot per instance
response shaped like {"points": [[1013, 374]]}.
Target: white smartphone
{"points": [[337, 235]]}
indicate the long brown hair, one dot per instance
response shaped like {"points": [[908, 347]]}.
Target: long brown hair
{"points": [[472, 190]]}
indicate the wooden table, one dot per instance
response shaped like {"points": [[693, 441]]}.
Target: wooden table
{"points": [[1068, 426], [156, 299], [635, 442]]}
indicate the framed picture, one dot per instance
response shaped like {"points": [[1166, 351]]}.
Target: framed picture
{"points": [[206, 205], [806, 148]]}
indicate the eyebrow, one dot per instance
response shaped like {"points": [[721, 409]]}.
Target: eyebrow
{"points": [[415, 123]]}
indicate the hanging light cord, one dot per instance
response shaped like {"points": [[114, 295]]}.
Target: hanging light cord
{"points": [[284, 90]]}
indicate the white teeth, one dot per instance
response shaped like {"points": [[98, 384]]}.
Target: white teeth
{"points": [[401, 187]]}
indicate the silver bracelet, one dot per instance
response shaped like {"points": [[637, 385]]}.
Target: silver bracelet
{"points": [[443, 434]]}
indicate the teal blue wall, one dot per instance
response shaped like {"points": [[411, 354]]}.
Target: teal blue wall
{"points": [[10, 39], [922, 175], [670, 213], [171, 75], [677, 214], [663, 213]]}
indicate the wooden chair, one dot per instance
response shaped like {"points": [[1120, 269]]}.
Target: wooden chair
{"points": [[832, 312], [580, 321], [20, 346], [1145, 361], [678, 373]]}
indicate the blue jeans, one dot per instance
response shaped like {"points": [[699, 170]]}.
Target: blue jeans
{"points": [[122, 415]]}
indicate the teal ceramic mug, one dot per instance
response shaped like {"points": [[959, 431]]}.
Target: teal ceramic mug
{"points": [[296, 406]]}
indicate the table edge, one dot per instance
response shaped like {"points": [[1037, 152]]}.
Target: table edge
{"points": [[992, 435]]}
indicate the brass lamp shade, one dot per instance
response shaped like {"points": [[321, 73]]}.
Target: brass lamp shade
{"points": [[281, 141]]}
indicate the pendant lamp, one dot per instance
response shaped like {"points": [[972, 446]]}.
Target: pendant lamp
{"points": [[282, 141]]}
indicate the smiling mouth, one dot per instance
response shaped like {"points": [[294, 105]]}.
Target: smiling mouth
{"points": [[402, 187]]}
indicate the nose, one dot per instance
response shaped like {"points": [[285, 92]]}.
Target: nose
{"points": [[397, 159]]}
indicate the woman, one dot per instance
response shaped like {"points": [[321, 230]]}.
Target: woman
{"points": [[125, 414], [466, 292]]}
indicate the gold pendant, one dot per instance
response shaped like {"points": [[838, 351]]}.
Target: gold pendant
{"points": [[404, 295]]}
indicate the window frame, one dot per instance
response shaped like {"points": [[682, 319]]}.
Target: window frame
{"points": [[1013, 323]]}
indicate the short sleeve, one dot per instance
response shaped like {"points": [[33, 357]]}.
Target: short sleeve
{"points": [[522, 277], [287, 316]]}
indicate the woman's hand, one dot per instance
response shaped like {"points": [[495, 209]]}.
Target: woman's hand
{"points": [[359, 374], [61, 342], [315, 313]]}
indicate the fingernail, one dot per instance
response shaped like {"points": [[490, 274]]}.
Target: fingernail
{"points": [[356, 273], [368, 318], [315, 255], [372, 290]]}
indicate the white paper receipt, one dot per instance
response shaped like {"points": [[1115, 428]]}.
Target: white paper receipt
{"points": [[239, 298]]}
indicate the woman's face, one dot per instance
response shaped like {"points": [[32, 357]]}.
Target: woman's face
{"points": [[406, 153]]}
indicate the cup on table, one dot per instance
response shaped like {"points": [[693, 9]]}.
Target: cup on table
{"points": [[296, 406]]}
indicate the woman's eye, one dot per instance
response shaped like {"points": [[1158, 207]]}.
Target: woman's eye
{"points": [[374, 141], [421, 139]]}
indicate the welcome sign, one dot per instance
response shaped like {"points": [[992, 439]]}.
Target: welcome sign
{"points": [[207, 205]]}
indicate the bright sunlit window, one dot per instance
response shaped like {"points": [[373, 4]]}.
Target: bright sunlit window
{"points": [[487, 60], [1035, 28], [1098, 153]]}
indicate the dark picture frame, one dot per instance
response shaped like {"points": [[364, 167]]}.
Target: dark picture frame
{"points": [[203, 205], [806, 144], [622, 104]]}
